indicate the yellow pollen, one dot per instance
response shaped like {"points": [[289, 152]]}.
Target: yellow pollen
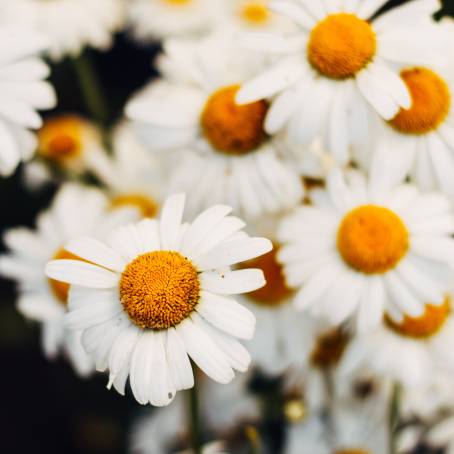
{"points": [[146, 205], [60, 138], [255, 13], [159, 289], [352, 451], [275, 290], [431, 102], [329, 348], [341, 45], [231, 128], [425, 326], [61, 289], [372, 239]]}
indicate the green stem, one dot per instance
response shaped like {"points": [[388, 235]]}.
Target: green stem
{"points": [[194, 418], [394, 411], [91, 88]]}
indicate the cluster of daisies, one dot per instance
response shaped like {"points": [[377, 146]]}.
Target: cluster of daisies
{"points": [[277, 202]]}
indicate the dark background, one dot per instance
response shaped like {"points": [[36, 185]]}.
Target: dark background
{"points": [[44, 407]]}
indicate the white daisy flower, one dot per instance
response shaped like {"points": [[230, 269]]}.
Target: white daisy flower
{"points": [[423, 135], [23, 91], [69, 143], [341, 60], [361, 250], [132, 177], [71, 25], [75, 211], [410, 350], [157, 19], [157, 292], [224, 153]]}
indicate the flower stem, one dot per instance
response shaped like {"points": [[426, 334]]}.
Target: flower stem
{"points": [[91, 88], [394, 410], [194, 418]]}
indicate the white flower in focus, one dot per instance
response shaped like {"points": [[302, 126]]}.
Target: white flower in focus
{"points": [[75, 211], [410, 351], [338, 63], [158, 291], [156, 19], [223, 152], [70, 25], [362, 250], [22, 92], [132, 177]]}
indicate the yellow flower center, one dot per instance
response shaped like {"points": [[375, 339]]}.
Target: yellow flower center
{"points": [[352, 451], [275, 291], [177, 2], [146, 205], [372, 239], [60, 139], [341, 45], [329, 348], [425, 326], [159, 289], [61, 289], [231, 128], [255, 13], [431, 102]]}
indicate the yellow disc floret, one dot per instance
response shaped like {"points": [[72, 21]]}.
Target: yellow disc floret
{"points": [[177, 2], [341, 45], [60, 139], [61, 289], [255, 13], [431, 102], [372, 239], [147, 207], [275, 290], [425, 326], [159, 289], [232, 128]]}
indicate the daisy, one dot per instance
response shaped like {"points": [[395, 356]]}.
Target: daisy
{"points": [[131, 175], [222, 150], [75, 211], [23, 91], [423, 134], [410, 350], [71, 25], [157, 19], [361, 250], [340, 61], [69, 143], [156, 292]]}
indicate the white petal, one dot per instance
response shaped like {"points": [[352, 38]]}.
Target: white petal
{"points": [[96, 252], [227, 315], [80, 273], [232, 252], [232, 282], [141, 372], [372, 305], [180, 370], [204, 352], [171, 217], [368, 7]]}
